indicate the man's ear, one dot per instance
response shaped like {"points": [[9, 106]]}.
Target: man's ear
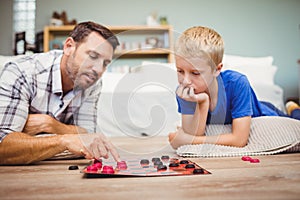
{"points": [[69, 46]]}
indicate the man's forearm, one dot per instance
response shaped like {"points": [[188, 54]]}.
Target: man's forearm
{"points": [[61, 129], [20, 148], [38, 123]]}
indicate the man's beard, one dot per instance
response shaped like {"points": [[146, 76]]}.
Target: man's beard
{"points": [[80, 84]]}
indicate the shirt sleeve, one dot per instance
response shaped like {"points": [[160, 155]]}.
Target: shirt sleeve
{"points": [[185, 107], [241, 98], [14, 102]]}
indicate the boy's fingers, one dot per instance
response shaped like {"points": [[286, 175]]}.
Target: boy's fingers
{"points": [[192, 92], [185, 92], [179, 90]]}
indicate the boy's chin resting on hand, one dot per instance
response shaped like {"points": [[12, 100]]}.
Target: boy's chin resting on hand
{"points": [[180, 138]]}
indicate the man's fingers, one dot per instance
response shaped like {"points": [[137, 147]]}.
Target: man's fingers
{"points": [[102, 147], [112, 149], [99, 149], [85, 152]]}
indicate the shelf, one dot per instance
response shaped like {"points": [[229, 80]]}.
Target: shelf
{"points": [[142, 52], [129, 36], [59, 28], [117, 29]]}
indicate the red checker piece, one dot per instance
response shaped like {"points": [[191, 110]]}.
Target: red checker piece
{"points": [[121, 165], [107, 169], [254, 160], [92, 168], [246, 158], [98, 165]]}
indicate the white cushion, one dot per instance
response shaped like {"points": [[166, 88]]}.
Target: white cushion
{"points": [[110, 80], [147, 64], [257, 74], [135, 103], [233, 60]]}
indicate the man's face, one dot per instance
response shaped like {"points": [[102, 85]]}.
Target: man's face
{"points": [[89, 60]]}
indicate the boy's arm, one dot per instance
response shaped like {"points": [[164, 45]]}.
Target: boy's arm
{"points": [[195, 124], [238, 137]]}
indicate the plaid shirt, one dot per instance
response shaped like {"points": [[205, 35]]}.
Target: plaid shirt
{"points": [[32, 85]]}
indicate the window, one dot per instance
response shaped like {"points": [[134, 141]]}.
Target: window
{"points": [[24, 18]]}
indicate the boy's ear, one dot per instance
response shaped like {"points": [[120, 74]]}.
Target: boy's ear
{"points": [[69, 46], [218, 69]]}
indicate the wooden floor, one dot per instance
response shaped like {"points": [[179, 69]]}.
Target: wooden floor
{"points": [[275, 177]]}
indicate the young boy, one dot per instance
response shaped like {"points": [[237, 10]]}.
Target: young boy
{"points": [[206, 95]]}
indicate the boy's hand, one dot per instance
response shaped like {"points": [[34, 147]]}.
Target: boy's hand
{"points": [[188, 94], [179, 138]]}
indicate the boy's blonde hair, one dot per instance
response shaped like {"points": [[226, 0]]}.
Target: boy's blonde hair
{"points": [[201, 42]]}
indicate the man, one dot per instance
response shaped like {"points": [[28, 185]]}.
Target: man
{"points": [[56, 93]]}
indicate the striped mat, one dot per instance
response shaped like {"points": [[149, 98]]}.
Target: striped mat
{"points": [[268, 135]]}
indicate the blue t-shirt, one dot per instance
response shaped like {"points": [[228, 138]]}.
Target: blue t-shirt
{"points": [[236, 99]]}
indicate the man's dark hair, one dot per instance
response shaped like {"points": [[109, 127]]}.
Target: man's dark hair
{"points": [[82, 30]]}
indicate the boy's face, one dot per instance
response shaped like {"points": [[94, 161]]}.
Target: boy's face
{"points": [[195, 73]]}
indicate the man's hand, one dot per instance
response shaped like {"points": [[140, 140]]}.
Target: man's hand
{"points": [[38, 123], [188, 94], [90, 145], [21, 148]]}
